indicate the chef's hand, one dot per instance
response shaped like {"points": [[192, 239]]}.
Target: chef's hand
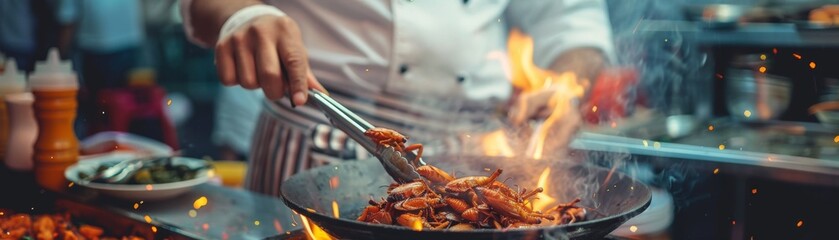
{"points": [[263, 54], [556, 107]]}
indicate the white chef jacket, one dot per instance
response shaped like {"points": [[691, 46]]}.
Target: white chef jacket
{"points": [[419, 63]]}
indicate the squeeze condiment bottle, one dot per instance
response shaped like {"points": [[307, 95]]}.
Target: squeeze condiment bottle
{"points": [[54, 85], [11, 81], [16, 120]]}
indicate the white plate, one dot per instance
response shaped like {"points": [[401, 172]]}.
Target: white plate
{"points": [[145, 192]]}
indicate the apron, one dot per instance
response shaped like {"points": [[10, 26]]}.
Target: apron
{"points": [[287, 140]]}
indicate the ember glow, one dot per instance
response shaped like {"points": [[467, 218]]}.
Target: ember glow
{"points": [[334, 182], [335, 211], [200, 202]]}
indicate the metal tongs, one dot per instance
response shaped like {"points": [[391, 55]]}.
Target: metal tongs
{"points": [[396, 165]]}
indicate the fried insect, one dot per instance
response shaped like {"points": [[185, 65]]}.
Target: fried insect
{"points": [[509, 207], [419, 203], [438, 200], [408, 190], [435, 175], [390, 138], [464, 184]]}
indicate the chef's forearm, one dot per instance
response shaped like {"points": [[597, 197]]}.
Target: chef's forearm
{"points": [[207, 16]]}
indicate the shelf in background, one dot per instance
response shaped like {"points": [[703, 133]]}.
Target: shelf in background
{"points": [[751, 34]]}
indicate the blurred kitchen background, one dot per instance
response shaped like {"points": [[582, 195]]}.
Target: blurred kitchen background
{"points": [[731, 107]]}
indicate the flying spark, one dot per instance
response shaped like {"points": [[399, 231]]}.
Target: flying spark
{"points": [[799, 223], [722, 147], [716, 170], [796, 56], [812, 65], [747, 113], [710, 127], [762, 69]]}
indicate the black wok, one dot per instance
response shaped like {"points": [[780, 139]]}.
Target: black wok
{"points": [[611, 199]]}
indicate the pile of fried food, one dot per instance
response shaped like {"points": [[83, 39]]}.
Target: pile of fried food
{"points": [[46, 227], [440, 201]]}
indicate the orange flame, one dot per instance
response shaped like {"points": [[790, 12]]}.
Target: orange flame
{"points": [[528, 77], [495, 144], [335, 211], [313, 230], [543, 200], [416, 225]]}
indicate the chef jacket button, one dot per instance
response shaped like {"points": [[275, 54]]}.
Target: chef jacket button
{"points": [[465, 2], [461, 78], [403, 68]]}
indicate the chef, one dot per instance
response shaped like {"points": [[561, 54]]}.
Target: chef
{"points": [[431, 69]]}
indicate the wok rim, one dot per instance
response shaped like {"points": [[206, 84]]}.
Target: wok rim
{"points": [[350, 223]]}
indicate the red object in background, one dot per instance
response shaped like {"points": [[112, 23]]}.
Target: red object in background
{"points": [[612, 95], [126, 108]]}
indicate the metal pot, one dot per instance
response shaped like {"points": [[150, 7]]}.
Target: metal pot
{"points": [[753, 95], [612, 197]]}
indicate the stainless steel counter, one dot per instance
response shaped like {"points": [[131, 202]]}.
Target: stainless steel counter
{"points": [[794, 152], [228, 213]]}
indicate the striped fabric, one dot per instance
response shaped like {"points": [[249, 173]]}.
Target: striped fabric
{"points": [[289, 140], [285, 143]]}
